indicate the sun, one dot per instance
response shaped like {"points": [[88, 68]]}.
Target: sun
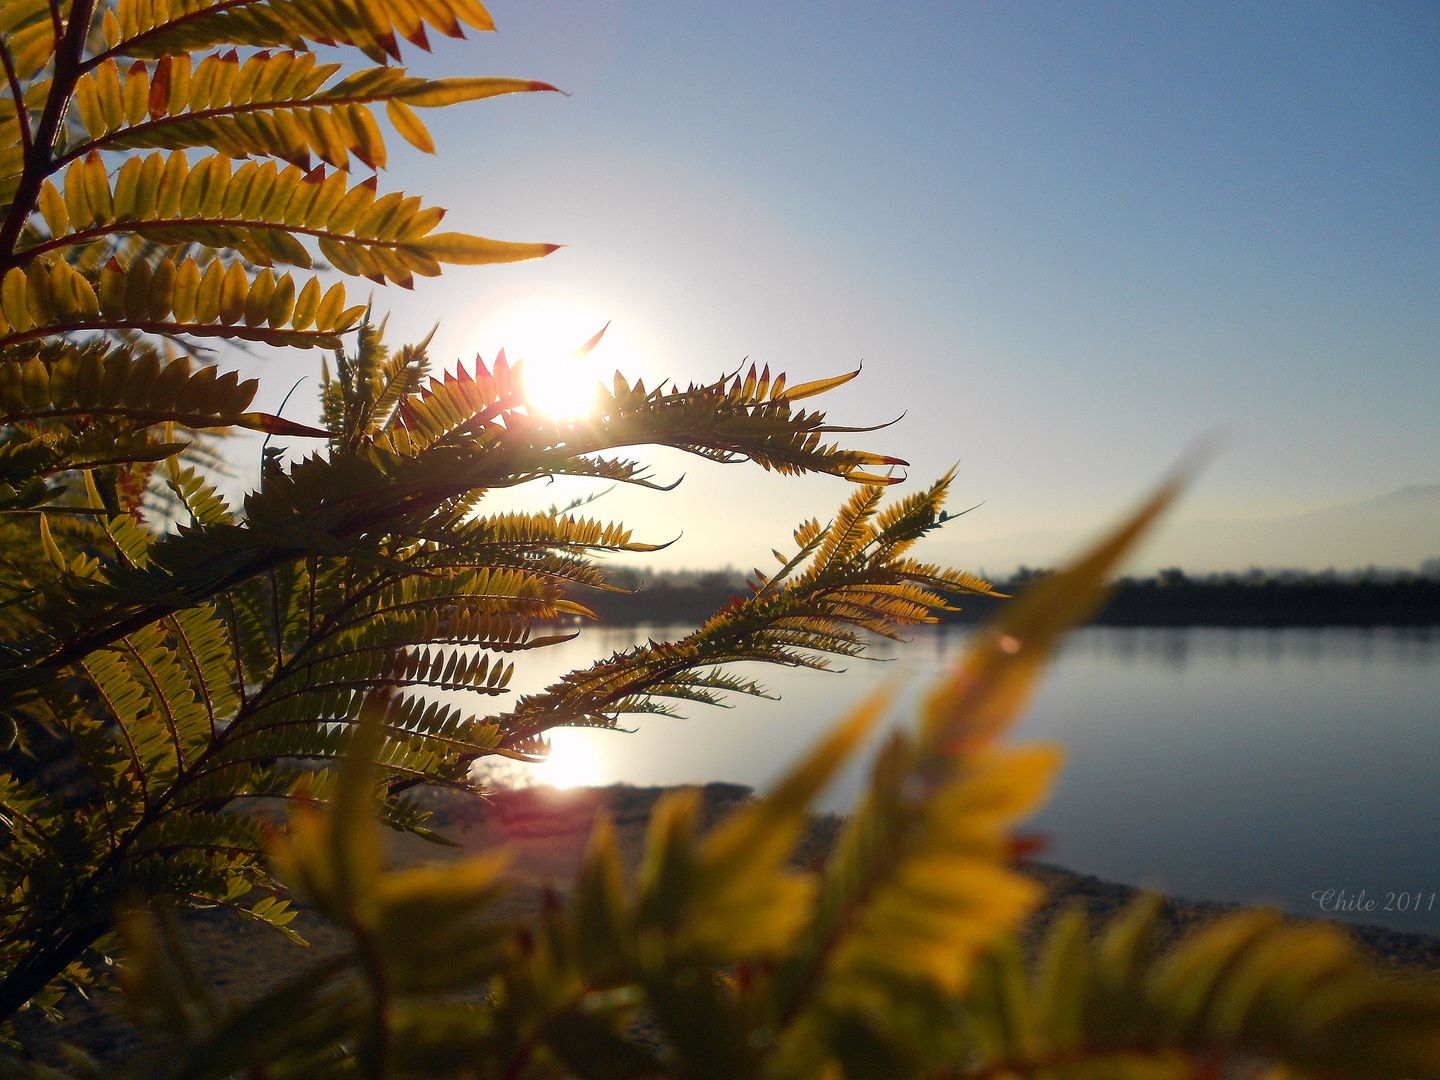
{"points": [[572, 762], [545, 332]]}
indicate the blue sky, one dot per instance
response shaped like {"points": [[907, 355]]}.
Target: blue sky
{"points": [[1064, 239]]}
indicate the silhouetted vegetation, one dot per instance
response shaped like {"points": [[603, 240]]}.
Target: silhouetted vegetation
{"points": [[1256, 598]]}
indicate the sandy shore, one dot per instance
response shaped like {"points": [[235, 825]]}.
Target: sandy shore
{"points": [[546, 831]]}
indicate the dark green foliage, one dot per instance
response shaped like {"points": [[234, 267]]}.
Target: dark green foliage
{"points": [[151, 676], [195, 667], [721, 960], [158, 673]]}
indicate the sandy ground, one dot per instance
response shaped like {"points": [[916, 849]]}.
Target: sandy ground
{"points": [[546, 831]]}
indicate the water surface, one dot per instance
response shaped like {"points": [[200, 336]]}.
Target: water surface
{"points": [[1294, 767]]}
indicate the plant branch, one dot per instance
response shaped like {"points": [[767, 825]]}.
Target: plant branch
{"points": [[22, 111], [263, 334], [39, 159]]}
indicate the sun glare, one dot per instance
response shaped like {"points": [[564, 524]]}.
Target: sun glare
{"points": [[572, 762], [545, 332]]}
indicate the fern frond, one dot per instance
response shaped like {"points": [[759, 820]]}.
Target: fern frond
{"points": [[918, 882], [1251, 986], [366, 392], [821, 611], [258, 211], [151, 30], [96, 407], [170, 300], [459, 436], [91, 382], [197, 496], [271, 105]]}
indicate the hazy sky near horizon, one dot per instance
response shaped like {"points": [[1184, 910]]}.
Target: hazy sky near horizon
{"points": [[1064, 239]]}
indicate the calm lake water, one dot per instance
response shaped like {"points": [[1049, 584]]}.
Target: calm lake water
{"points": [[1293, 767]]}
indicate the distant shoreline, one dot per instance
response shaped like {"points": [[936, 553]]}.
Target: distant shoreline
{"points": [[1175, 603]]}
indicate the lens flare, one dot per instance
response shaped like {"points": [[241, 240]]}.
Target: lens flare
{"points": [[573, 761], [546, 332]]}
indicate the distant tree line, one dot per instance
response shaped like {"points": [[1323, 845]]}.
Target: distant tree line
{"points": [[1369, 597]]}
